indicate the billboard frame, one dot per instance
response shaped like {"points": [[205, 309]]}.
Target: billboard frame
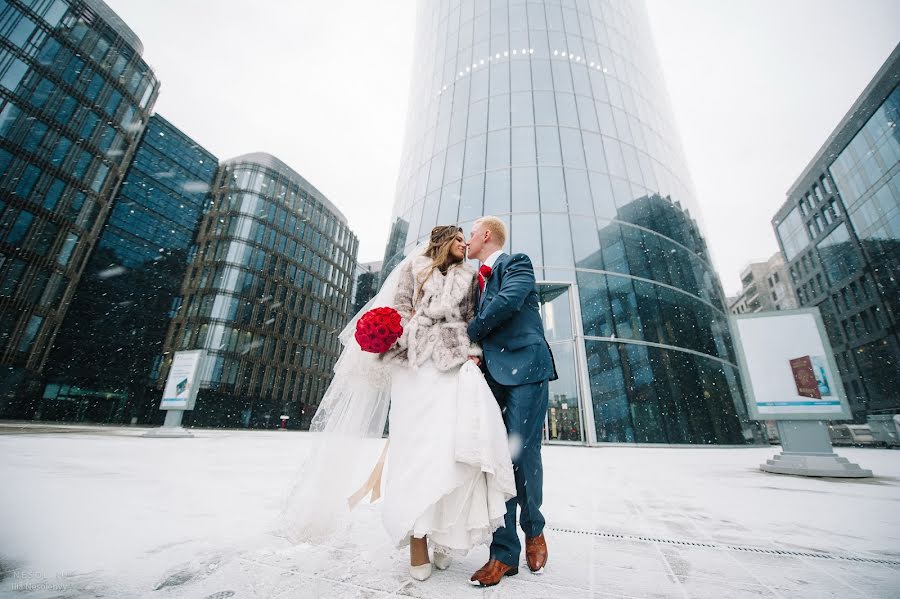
{"points": [[837, 382]]}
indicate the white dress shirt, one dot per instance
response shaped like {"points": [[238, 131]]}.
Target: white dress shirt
{"points": [[493, 258]]}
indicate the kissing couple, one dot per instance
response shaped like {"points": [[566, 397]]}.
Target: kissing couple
{"points": [[464, 390]]}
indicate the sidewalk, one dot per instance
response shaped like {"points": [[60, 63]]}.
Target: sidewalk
{"points": [[106, 513]]}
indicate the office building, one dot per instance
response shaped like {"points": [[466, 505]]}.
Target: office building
{"points": [[839, 231], [765, 286], [75, 97], [266, 296], [554, 117], [104, 360]]}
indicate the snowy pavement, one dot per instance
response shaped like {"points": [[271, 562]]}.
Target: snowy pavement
{"points": [[103, 512]]}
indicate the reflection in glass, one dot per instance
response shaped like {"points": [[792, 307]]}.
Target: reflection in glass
{"points": [[585, 166], [526, 236], [556, 312]]}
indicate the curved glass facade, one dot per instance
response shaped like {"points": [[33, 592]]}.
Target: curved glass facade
{"points": [[75, 96], [267, 293], [553, 116], [130, 285]]}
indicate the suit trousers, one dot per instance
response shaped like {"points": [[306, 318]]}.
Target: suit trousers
{"points": [[524, 409]]}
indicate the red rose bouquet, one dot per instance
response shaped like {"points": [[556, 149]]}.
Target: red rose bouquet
{"points": [[378, 330]]}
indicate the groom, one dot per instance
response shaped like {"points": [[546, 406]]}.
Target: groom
{"points": [[518, 366]]}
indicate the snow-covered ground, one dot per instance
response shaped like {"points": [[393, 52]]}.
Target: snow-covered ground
{"points": [[103, 512]]}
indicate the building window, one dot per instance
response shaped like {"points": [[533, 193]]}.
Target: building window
{"points": [[865, 284], [65, 251], [826, 184], [19, 228], [875, 319], [30, 332], [11, 279], [838, 255], [15, 70], [848, 330], [866, 323], [790, 232], [818, 192]]}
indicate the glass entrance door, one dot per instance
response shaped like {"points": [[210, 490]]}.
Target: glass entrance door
{"points": [[565, 413]]}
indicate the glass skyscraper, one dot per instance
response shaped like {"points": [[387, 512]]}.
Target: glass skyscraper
{"points": [[266, 295], [840, 233], [101, 367], [553, 116], [75, 96]]}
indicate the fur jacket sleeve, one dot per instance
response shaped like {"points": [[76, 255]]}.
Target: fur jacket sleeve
{"points": [[435, 309]]}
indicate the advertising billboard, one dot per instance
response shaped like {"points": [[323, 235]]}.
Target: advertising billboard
{"points": [[183, 382], [788, 366]]}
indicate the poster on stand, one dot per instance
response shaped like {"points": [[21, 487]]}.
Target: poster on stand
{"points": [[183, 382], [788, 366]]}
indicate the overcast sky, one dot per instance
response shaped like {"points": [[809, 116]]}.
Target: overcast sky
{"points": [[756, 86]]}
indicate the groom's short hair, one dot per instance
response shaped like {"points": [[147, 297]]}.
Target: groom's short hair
{"points": [[496, 226]]}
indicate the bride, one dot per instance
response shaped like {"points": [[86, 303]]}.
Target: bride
{"points": [[449, 471]]}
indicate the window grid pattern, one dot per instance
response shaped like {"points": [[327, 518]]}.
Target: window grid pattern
{"points": [[130, 283], [266, 295], [844, 256], [75, 97]]}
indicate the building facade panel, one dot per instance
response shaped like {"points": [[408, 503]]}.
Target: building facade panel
{"points": [[103, 360], [553, 116], [266, 296], [75, 96]]}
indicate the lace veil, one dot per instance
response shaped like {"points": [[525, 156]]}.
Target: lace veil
{"points": [[348, 425]]}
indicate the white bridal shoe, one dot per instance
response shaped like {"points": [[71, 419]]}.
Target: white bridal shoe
{"points": [[441, 561], [422, 572]]}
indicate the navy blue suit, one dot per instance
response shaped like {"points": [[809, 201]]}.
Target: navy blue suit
{"points": [[518, 366]]}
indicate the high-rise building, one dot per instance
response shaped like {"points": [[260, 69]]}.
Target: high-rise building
{"points": [[554, 117], [840, 233], [765, 286], [266, 296], [75, 96], [101, 368], [366, 283]]}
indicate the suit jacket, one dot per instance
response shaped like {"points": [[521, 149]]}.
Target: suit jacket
{"points": [[508, 325]]}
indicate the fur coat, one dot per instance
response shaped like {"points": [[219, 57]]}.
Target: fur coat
{"points": [[434, 318]]}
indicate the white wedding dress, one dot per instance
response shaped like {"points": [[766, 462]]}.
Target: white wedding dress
{"points": [[448, 468], [448, 473]]}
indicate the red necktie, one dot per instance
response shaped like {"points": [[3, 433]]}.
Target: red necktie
{"points": [[484, 273]]}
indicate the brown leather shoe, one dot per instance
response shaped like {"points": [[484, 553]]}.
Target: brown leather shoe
{"points": [[491, 573], [536, 553]]}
